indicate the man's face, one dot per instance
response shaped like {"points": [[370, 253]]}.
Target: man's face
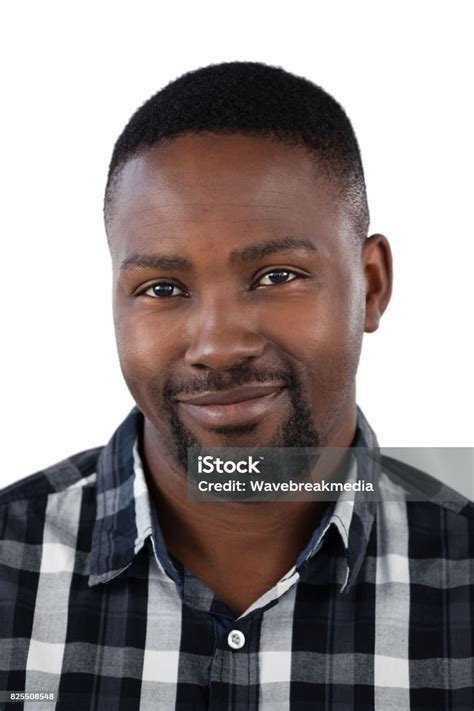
{"points": [[235, 269]]}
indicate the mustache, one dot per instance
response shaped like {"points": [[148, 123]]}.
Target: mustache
{"points": [[216, 380]]}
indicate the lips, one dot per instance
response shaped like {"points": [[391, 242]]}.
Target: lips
{"points": [[232, 407]]}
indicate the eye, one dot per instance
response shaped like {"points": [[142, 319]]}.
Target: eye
{"points": [[163, 290], [277, 276]]}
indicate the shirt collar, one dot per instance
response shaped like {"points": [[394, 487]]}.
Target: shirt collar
{"points": [[123, 517], [353, 514], [125, 520]]}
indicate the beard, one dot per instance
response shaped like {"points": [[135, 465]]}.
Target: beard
{"points": [[297, 431]]}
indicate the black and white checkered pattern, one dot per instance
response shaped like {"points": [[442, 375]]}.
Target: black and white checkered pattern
{"points": [[377, 612]]}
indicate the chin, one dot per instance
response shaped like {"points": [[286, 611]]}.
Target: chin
{"points": [[242, 436]]}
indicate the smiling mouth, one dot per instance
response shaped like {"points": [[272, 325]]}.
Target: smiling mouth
{"points": [[232, 408]]}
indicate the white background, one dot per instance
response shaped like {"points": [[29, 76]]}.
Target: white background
{"points": [[72, 74]]}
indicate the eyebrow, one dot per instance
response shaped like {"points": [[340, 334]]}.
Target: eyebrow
{"points": [[155, 261], [244, 255], [264, 249]]}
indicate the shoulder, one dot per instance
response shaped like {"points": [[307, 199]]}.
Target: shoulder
{"points": [[439, 520], [46, 521], [420, 487], [49, 504], [75, 471]]}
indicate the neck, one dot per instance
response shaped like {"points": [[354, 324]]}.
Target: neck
{"points": [[209, 537], [168, 484]]}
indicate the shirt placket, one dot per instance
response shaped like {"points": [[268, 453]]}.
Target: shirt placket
{"points": [[234, 673], [233, 664]]}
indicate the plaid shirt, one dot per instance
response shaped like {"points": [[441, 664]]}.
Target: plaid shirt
{"points": [[376, 613]]}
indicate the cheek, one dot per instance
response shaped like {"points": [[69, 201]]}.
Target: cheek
{"points": [[144, 347], [343, 327], [324, 336], [327, 325]]}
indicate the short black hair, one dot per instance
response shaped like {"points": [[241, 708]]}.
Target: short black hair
{"points": [[255, 99]]}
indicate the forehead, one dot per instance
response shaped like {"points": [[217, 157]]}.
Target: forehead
{"points": [[221, 185]]}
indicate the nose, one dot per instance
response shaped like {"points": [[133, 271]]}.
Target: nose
{"points": [[222, 336]]}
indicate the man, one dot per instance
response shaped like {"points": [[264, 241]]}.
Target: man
{"points": [[237, 220]]}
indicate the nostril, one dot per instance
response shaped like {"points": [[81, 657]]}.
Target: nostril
{"points": [[213, 362]]}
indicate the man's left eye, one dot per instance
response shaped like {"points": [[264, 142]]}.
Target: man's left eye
{"points": [[277, 276]]}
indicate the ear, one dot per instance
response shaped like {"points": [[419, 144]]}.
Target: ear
{"points": [[377, 264]]}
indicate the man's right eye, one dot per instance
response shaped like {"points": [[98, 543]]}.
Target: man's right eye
{"points": [[163, 290]]}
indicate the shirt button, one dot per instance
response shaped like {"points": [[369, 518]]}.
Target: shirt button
{"points": [[236, 639]]}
